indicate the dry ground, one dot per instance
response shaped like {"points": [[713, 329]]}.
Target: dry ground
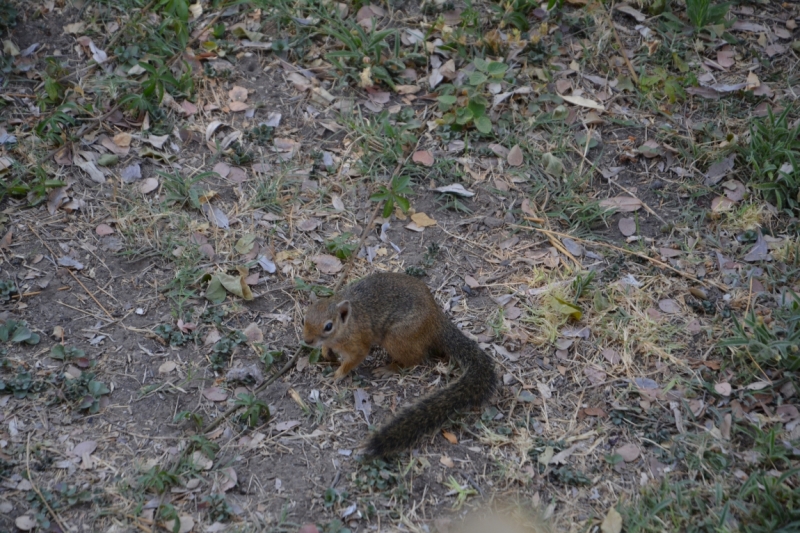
{"points": [[600, 276]]}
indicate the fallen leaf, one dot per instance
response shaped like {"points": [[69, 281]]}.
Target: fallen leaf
{"points": [[327, 264], [451, 438], [149, 185], [723, 389], [627, 226], [596, 376], [253, 333], [628, 452], [229, 480], [583, 102], [612, 523], [186, 522], [515, 157], [423, 157], [167, 367], [455, 188], [308, 224], [650, 149], [362, 402], [215, 394], [25, 522], [759, 251], [83, 448], [624, 204], [628, 10], [422, 220], [734, 190], [721, 204], [103, 230], [669, 306], [612, 356], [719, 170]]}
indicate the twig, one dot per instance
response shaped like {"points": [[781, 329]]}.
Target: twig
{"points": [[646, 207], [630, 252], [91, 295], [622, 49], [289, 364], [36, 489], [21, 296]]}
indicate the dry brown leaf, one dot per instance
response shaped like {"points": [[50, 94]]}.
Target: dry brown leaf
{"points": [[423, 157], [612, 523], [149, 185], [723, 388], [627, 226], [103, 230], [515, 157], [327, 264], [215, 394], [422, 220], [451, 438], [669, 306], [309, 224], [629, 452], [720, 204], [624, 204]]}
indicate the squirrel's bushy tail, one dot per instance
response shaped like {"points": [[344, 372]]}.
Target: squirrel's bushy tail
{"points": [[476, 385]]}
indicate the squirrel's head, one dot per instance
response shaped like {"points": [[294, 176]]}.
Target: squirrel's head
{"points": [[324, 320]]}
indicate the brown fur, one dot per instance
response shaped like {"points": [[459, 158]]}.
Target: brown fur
{"points": [[398, 313]]}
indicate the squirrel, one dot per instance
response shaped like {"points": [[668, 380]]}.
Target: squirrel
{"points": [[398, 313]]}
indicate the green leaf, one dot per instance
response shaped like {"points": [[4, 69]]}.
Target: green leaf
{"points": [[481, 64], [97, 388], [245, 245], [567, 308], [215, 292], [57, 352], [497, 69], [483, 124], [21, 334], [403, 203], [476, 78], [388, 208], [400, 185], [106, 160], [235, 285], [447, 99], [476, 108], [464, 116]]}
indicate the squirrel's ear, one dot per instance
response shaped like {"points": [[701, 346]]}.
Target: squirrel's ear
{"points": [[344, 310]]}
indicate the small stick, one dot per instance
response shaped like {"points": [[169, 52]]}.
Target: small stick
{"points": [[646, 207], [217, 421], [92, 295], [20, 296], [36, 489], [622, 50], [630, 252]]}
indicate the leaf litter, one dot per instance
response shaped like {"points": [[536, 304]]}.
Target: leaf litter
{"points": [[288, 192]]}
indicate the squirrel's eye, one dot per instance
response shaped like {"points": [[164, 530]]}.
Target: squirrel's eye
{"points": [[328, 326]]}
